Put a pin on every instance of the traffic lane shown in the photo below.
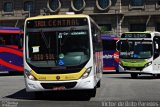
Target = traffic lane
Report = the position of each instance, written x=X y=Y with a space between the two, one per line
x=13 y=87
x=111 y=85
x=114 y=87
x=121 y=87
x=20 y=98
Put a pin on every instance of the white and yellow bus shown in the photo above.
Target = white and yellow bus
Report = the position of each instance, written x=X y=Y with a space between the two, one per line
x=139 y=53
x=62 y=52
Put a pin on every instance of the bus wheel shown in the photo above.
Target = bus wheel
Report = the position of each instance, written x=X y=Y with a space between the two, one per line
x=38 y=95
x=157 y=76
x=134 y=76
x=99 y=84
x=117 y=71
x=92 y=92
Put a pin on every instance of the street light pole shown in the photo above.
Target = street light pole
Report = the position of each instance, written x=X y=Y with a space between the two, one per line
x=29 y=11
x=116 y=13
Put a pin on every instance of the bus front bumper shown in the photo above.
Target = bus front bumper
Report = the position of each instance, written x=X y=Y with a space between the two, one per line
x=81 y=84
x=146 y=70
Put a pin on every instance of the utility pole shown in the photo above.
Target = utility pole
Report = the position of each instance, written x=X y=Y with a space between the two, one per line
x=116 y=13
x=29 y=11
x=120 y=19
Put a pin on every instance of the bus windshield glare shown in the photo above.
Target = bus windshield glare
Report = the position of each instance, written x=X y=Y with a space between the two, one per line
x=136 y=49
x=64 y=46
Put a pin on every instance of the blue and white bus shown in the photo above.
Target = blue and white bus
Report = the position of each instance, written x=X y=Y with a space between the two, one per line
x=110 y=53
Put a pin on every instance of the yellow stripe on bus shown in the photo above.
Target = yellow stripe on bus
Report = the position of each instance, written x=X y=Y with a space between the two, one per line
x=59 y=77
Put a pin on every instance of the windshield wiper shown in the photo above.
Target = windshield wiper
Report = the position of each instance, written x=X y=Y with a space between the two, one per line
x=47 y=42
x=45 y=39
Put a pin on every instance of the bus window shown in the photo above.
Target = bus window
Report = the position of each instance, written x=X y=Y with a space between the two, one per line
x=2 y=41
x=9 y=39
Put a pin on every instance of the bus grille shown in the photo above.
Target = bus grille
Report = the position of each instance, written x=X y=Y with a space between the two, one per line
x=51 y=85
x=136 y=68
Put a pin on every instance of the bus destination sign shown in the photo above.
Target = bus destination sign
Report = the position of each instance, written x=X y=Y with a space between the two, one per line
x=136 y=35
x=61 y=22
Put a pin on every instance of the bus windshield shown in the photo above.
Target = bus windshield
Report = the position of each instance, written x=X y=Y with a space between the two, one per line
x=136 y=49
x=67 y=46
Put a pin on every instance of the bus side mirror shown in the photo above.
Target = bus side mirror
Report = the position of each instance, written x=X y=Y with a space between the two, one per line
x=157 y=47
x=156 y=50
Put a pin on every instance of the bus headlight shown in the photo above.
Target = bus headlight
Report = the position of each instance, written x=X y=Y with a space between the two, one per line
x=147 y=64
x=29 y=75
x=86 y=73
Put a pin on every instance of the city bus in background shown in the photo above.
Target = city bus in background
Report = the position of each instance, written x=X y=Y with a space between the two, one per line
x=139 y=53
x=11 y=60
x=110 y=53
x=62 y=52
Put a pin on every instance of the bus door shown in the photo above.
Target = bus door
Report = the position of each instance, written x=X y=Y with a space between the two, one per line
x=156 y=56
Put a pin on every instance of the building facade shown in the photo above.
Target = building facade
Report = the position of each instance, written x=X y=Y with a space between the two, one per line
x=115 y=16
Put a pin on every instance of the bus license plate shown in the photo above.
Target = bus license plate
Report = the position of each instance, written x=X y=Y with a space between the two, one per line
x=59 y=88
x=133 y=69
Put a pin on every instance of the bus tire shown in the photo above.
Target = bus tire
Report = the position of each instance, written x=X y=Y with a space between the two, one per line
x=134 y=76
x=92 y=92
x=38 y=94
x=87 y=94
x=117 y=70
x=157 y=76
x=99 y=84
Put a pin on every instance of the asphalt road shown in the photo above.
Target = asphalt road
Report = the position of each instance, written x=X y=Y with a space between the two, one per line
x=116 y=90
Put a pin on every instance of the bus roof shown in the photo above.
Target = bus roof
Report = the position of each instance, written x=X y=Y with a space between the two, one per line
x=10 y=30
x=59 y=16
x=109 y=37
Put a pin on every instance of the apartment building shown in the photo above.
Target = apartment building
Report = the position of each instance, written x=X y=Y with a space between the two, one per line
x=115 y=16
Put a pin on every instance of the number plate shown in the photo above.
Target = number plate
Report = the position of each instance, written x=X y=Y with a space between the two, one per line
x=134 y=69
x=59 y=88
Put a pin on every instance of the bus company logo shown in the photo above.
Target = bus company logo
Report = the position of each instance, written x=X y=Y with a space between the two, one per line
x=108 y=56
x=114 y=56
x=58 y=77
